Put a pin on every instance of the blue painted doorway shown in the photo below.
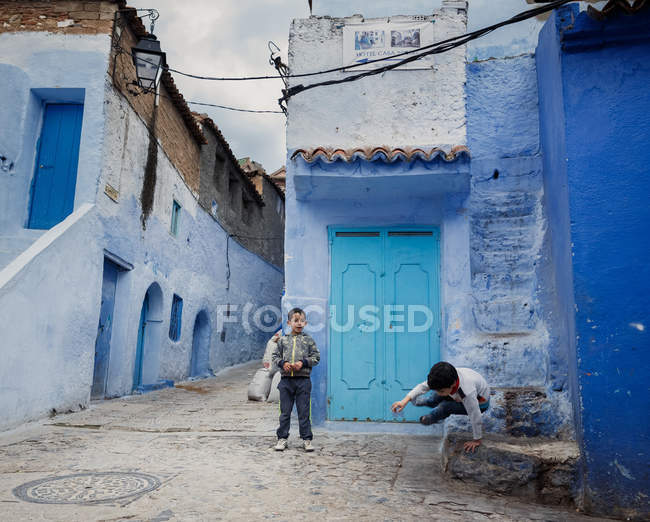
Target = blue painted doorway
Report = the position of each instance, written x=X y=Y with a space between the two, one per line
x=55 y=176
x=200 y=363
x=142 y=335
x=385 y=327
x=104 y=330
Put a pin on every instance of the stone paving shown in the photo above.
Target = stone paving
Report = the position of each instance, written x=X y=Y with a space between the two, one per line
x=202 y=451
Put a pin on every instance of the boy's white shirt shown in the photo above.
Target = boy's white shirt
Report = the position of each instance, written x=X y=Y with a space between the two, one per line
x=473 y=384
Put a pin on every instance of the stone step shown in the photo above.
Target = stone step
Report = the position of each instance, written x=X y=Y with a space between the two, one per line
x=537 y=469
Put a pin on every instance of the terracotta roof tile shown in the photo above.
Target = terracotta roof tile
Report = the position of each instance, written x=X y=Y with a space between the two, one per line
x=616 y=7
x=385 y=154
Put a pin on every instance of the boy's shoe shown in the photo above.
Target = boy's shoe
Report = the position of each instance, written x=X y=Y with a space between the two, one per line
x=281 y=445
x=427 y=420
x=307 y=445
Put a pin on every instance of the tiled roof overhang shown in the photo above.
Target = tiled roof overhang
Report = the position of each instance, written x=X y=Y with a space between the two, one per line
x=615 y=7
x=384 y=154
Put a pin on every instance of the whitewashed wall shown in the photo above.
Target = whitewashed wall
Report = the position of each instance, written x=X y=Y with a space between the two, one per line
x=396 y=108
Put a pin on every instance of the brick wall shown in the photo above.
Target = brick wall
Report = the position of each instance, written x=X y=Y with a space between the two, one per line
x=66 y=17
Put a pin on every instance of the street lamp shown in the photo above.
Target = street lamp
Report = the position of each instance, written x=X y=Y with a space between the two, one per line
x=149 y=62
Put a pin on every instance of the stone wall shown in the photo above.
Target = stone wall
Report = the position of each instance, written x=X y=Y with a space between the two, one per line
x=232 y=198
x=64 y=17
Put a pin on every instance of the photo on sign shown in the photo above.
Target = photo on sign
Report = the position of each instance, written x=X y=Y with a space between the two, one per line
x=406 y=38
x=369 y=40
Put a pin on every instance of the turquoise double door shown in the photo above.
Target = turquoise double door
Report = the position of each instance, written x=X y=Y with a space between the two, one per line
x=384 y=319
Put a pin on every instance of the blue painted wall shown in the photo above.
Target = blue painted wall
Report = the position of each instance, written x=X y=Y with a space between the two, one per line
x=307 y=247
x=50 y=297
x=516 y=337
x=594 y=78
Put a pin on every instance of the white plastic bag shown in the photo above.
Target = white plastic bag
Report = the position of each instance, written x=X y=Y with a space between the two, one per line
x=259 y=387
x=274 y=394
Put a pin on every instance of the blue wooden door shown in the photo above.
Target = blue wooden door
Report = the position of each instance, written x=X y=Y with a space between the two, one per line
x=139 y=352
x=104 y=329
x=356 y=365
x=413 y=336
x=384 y=337
x=55 y=175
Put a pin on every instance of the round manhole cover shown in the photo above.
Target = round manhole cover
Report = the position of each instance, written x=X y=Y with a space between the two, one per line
x=87 y=488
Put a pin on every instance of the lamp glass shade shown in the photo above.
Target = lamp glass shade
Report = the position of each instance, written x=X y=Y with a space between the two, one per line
x=148 y=60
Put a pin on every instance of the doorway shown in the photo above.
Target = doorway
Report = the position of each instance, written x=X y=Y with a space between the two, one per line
x=104 y=330
x=147 y=355
x=55 y=176
x=200 y=362
x=385 y=318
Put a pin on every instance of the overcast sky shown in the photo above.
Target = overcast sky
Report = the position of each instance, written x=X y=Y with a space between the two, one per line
x=230 y=37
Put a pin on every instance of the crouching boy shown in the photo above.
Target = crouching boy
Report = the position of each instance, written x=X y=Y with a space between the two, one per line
x=457 y=391
x=295 y=355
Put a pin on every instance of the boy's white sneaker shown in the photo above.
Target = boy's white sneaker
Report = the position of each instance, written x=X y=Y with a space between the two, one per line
x=307 y=445
x=281 y=445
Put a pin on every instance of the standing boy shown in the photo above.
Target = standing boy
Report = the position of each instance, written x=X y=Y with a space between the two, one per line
x=459 y=391
x=295 y=355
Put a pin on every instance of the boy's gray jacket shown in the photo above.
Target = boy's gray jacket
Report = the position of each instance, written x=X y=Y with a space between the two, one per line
x=293 y=348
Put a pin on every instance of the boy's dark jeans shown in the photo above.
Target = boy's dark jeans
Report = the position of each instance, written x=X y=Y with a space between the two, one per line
x=443 y=407
x=298 y=390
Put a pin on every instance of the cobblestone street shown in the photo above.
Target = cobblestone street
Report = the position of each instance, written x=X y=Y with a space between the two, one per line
x=201 y=451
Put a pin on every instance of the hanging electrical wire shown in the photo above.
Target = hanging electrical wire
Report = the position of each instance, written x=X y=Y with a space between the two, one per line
x=411 y=56
x=436 y=48
x=479 y=32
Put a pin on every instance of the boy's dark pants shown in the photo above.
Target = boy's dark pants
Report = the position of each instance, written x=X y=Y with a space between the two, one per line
x=296 y=389
x=443 y=407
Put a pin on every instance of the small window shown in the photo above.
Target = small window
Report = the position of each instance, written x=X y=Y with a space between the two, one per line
x=247 y=208
x=176 y=216
x=233 y=189
x=175 y=321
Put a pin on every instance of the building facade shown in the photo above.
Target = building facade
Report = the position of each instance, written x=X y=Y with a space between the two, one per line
x=593 y=70
x=486 y=200
x=114 y=276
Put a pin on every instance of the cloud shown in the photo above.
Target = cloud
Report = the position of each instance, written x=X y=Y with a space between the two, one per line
x=229 y=38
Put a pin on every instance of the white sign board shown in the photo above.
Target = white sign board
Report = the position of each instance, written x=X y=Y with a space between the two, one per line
x=369 y=41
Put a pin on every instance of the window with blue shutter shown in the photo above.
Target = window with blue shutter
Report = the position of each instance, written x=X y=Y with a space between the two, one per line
x=176 y=214
x=175 y=321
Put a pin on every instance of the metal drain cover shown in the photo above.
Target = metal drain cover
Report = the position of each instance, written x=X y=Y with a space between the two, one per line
x=87 y=488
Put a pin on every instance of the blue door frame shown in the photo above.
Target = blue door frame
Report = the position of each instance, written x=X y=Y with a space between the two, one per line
x=55 y=176
x=104 y=330
x=377 y=354
x=139 y=353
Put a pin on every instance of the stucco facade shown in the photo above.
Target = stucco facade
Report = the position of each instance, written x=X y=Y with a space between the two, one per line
x=489 y=209
x=594 y=130
x=53 y=282
x=540 y=245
